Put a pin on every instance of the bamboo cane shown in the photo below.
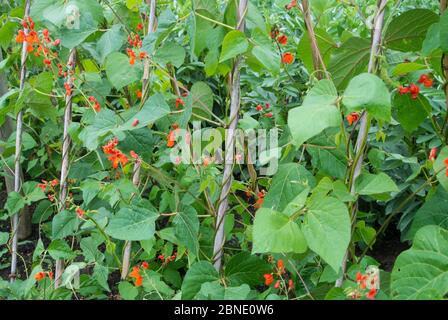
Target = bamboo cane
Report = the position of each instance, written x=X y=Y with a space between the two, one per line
x=230 y=146
x=17 y=167
x=137 y=165
x=65 y=155
x=364 y=127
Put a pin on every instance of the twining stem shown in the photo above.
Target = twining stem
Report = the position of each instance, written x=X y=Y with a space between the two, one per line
x=65 y=155
x=229 y=148
x=18 y=153
x=138 y=163
x=361 y=142
x=318 y=62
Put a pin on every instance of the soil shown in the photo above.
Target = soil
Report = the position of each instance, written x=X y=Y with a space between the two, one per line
x=388 y=248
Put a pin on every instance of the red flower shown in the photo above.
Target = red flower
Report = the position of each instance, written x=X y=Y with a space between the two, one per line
x=280 y=265
x=277 y=284
x=288 y=58
x=20 y=38
x=269 y=115
x=135 y=122
x=43 y=185
x=39 y=276
x=139 y=94
x=57 y=42
x=145 y=265
x=171 y=139
x=259 y=107
x=268 y=279
x=433 y=154
x=50 y=275
x=425 y=80
x=47 y=62
x=143 y=55
x=267 y=105
x=414 y=90
x=291 y=5
x=352 y=118
x=403 y=90
x=134 y=155
x=446 y=165
x=54 y=182
x=161 y=257
x=68 y=89
x=290 y=284
x=179 y=102
x=117 y=158
x=283 y=40
x=80 y=212
x=139 y=26
x=131 y=55
x=371 y=294
x=361 y=280
x=135 y=273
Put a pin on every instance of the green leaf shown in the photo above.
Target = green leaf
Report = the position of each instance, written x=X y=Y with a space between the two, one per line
x=127 y=291
x=290 y=180
x=199 y=273
x=370 y=184
x=439 y=166
x=110 y=41
x=327 y=229
x=132 y=223
x=444 y=32
x=14 y=203
x=214 y=291
x=64 y=224
x=234 y=43
x=403 y=69
x=432 y=40
x=408 y=31
x=421 y=273
x=411 y=113
x=325 y=43
x=317 y=113
x=4 y=236
x=59 y=249
x=368 y=92
x=245 y=268
x=186 y=228
x=349 y=60
x=119 y=75
x=202 y=96
x=433 y=212
x=170 y=52
x=101 y=274
x=275 y=232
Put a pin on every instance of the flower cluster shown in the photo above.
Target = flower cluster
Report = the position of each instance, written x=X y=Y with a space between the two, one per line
x=135 y=43
x=135 y=273
x=291 y=5
x=49 y=186
x=179 y=102
x=413 y=89
x=352 y=118
x=116 y=156
x=269 y=278
x=366 y=285
x=41 y=275
x=287 y=58
x=172 y=135
x=260 y=199
x=96 y=104
x=260 y=108
x=166 y=260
